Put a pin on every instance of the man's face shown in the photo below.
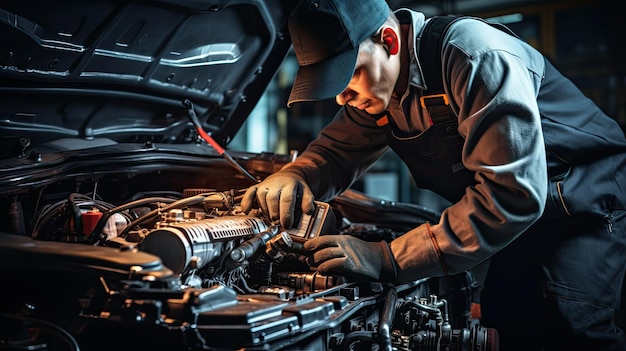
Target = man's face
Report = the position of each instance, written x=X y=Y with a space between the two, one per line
x=373 y=81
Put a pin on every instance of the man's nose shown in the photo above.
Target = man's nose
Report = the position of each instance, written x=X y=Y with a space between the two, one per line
x=345 y=96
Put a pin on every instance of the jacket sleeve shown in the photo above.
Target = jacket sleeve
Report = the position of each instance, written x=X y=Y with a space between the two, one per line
x=343 y=151
x=493 y=80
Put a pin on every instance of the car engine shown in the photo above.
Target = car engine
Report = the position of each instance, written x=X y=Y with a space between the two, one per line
x=192 y=272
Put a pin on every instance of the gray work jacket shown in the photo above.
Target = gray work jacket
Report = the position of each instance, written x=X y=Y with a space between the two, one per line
x=533 y=143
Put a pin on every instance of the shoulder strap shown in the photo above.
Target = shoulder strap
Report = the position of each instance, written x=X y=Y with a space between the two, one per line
x=430 y=51
x=435 y=100
x=431 y=42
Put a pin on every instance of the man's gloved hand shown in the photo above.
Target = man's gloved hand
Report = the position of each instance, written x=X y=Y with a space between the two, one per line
x=279 y=196
x=351 y=256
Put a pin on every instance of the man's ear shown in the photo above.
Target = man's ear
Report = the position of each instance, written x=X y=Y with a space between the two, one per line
x=389 y=37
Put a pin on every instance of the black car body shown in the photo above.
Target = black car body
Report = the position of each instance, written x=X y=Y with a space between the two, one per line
x=120 y=225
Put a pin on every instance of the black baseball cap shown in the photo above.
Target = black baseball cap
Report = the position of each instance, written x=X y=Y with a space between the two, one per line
x=326 y=35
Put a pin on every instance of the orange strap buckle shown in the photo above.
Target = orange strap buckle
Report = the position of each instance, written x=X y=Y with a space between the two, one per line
x=443 y=96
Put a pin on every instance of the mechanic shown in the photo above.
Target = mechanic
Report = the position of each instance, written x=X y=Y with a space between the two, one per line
x=535 y=171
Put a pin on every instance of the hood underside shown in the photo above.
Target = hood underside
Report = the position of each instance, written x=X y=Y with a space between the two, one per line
x=121 y=69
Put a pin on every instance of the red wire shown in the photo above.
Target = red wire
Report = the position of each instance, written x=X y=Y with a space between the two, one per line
x=211 y=141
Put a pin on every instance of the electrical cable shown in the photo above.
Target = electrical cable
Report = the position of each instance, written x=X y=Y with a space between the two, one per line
x=94 y=235
x=187 y=201
x=209 y=140
x=55 y=216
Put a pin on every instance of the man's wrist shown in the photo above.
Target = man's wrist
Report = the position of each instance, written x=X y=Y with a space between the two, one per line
x=388 y=272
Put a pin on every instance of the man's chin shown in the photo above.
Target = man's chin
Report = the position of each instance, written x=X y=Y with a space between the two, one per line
x=374 y=110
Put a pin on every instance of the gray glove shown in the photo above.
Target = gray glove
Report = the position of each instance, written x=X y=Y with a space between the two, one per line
x=280 y=196
x=351 y=256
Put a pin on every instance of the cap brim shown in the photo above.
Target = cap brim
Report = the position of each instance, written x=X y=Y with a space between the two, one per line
x=324 y=80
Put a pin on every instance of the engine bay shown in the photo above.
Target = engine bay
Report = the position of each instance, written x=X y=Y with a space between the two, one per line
x=188 y=270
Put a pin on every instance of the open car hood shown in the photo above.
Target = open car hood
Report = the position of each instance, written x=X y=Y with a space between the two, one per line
x=120 y=70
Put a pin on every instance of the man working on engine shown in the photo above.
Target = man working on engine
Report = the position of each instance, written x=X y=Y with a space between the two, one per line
x=534 y=170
